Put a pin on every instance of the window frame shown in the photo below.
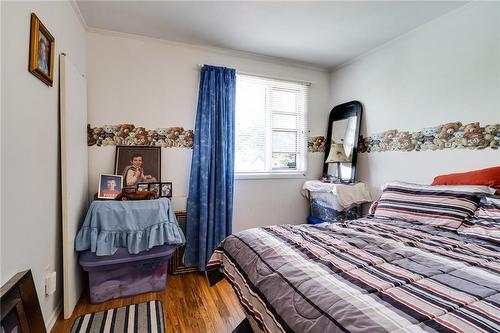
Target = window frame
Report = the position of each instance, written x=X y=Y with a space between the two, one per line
x=301 y=130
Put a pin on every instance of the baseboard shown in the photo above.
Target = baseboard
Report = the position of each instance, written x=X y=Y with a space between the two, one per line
x=53 y=317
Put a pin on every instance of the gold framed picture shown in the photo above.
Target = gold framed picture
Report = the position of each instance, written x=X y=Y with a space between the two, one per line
x=42 y=48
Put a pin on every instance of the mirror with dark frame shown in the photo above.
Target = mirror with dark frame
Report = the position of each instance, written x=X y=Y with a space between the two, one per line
x=341 y=145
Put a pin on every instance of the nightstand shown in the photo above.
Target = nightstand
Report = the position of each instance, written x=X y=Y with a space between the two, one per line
x=335 y=202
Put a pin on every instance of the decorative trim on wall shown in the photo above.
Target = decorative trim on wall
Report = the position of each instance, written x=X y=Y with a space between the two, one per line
x=316 y=144
x=130 y=135
x=169 y=137
x=447 y=136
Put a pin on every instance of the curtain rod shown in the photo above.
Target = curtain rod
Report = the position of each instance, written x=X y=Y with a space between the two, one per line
x=307 y=83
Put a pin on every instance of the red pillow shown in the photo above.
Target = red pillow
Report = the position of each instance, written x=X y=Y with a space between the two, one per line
x=489 y=177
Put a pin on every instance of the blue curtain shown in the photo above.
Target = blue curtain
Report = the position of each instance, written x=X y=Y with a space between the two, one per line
x=210 y=199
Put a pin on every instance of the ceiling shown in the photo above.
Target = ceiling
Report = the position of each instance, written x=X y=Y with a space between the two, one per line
x=321 y=34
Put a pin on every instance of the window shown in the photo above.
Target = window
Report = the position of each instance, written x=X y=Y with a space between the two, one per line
x=270 y=126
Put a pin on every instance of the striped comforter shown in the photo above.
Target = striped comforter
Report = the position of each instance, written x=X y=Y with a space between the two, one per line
x=369 y=276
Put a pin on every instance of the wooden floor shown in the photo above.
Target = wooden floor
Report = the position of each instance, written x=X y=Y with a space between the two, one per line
x=189 y=305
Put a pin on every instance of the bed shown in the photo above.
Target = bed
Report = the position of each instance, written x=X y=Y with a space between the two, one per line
x=367 y=275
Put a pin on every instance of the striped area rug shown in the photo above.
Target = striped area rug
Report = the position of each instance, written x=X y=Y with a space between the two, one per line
x=144 y=317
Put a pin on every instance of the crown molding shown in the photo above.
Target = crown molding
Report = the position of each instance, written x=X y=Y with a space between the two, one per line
x=79 y=14
x=229 y=52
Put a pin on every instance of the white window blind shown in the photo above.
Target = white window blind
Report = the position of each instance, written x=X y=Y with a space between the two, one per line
x=271 y=126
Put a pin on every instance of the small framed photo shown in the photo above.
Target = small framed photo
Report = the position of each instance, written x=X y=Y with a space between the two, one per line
x=142 y=187
x=166 y=190
x=109 y=186
x=138 y=164
x=42 y=48
x=155 y=187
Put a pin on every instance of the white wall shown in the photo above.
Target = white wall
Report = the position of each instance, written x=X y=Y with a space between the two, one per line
x=153 y=83
x=30 y=193
x=447 y=70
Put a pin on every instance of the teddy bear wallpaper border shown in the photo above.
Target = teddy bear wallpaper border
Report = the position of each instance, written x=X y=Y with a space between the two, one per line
x=131 y=135
x=452 y=135
x=168 y=137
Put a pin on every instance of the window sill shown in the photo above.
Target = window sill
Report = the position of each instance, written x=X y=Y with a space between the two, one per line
x=283 y=175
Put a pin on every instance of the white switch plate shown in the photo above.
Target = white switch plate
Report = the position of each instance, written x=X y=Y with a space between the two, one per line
x=50 y=283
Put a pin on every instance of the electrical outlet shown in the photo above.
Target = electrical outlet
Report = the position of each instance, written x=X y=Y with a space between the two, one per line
x=50 y=283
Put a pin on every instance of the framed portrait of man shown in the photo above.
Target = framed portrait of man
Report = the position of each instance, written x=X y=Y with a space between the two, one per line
x=138 y=164
x=42 y=48
x=109 y=186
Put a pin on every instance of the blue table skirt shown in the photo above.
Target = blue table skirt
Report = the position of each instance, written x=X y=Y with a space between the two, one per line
x=135 y=225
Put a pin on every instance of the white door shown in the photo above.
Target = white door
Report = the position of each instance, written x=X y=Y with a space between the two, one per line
x=74 y=175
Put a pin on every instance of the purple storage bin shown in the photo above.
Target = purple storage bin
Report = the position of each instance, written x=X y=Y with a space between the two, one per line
x=124 y=274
